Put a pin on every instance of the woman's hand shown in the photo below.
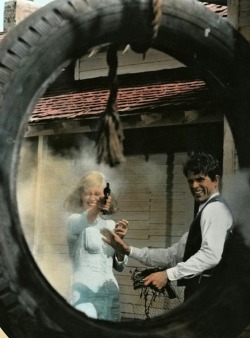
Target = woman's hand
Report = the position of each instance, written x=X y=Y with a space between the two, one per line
x=114 y=240
x=121 y=228
x=103 y=204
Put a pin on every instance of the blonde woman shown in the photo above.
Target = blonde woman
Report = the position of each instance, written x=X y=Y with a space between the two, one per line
x=95 y=289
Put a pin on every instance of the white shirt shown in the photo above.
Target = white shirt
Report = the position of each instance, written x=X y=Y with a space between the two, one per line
x=215 y=221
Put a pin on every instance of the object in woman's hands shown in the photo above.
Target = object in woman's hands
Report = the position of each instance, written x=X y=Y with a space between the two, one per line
x=106 y=192
x=139 y=274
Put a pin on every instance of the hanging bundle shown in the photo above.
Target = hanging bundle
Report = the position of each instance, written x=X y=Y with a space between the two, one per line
x=110 y=134
x=150 y=293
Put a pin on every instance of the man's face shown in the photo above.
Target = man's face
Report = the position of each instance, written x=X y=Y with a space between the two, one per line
x=201 y=186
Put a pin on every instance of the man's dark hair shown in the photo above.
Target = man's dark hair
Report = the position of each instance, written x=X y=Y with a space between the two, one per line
x=202 y=163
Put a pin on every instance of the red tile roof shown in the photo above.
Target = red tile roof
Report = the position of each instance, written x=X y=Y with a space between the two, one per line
x=82 y=99
x=90 y=103
x=218 y=9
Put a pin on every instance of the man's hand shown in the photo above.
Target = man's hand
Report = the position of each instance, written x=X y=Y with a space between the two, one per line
x=158 y=279
x=121 y=228
x=115 y=241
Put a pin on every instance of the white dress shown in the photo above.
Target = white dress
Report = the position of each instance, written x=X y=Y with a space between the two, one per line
x=95 y=289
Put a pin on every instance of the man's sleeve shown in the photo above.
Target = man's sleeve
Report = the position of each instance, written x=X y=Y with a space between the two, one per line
x=160 y=257
x=215 y=222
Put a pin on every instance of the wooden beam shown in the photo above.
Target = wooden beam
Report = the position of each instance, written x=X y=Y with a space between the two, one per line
x=42 y=142
x=141 y=119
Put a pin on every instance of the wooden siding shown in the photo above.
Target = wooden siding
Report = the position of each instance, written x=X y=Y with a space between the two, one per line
x=152 y=194
x=129 y=62
x=239 y=16
x=158 y=216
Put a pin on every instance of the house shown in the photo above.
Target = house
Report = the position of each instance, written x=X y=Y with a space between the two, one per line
x=165 y=112
x=165 y=109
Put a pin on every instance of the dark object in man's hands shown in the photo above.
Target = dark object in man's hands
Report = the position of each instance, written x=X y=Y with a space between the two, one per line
x=138 y=275
x=106 y=192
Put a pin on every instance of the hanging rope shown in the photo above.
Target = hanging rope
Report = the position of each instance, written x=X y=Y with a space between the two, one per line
x=110 y=135
x=157 y=12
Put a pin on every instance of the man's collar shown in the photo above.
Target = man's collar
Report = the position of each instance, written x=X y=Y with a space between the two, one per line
x=204 y=203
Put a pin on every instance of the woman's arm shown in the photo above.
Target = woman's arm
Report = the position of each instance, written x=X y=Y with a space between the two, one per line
x=103 y=204
x=118 y=264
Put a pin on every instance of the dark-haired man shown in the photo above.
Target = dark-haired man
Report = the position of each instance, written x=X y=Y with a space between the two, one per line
x=193 y=259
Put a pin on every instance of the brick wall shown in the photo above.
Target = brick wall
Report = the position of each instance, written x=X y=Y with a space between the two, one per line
x=17 y=10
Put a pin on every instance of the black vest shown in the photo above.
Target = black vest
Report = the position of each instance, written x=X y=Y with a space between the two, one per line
x=194 y=239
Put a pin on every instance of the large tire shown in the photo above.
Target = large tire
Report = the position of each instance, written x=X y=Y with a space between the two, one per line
x=31 y=56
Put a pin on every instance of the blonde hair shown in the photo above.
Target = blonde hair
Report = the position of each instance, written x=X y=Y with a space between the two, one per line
x=91 y=179
x=73 y=202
